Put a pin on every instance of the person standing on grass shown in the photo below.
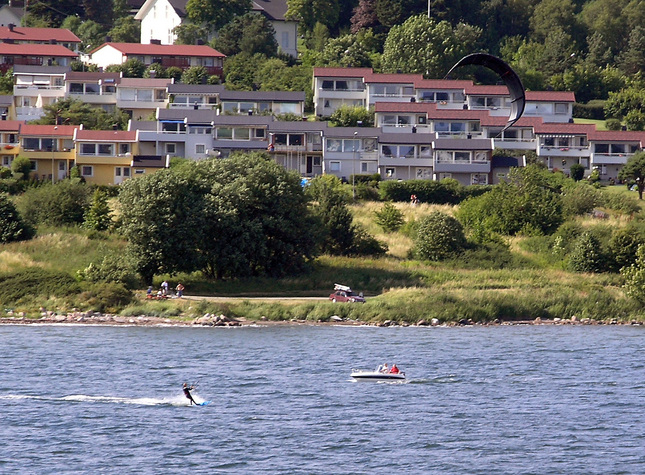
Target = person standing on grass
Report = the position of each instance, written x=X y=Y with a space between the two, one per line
x=180 y=290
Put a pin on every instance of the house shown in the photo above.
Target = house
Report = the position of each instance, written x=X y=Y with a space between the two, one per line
x=50 y=148
x=9 y=141
x=262 y=102
x=466 y=160
x=12 y=13
x=350 y=151
x=105 y=157
x=13 y=34
x=335 y=87
x=36 y=87
x=405 y=156
x=194 y=96
x=181 y=56
x=7 y=109
x=298 y=145
x=95 y=88
x=560 y=145
x=159 y=18
x=610 y=150
x=34 y=55
x=286 y=31
x=140 y=97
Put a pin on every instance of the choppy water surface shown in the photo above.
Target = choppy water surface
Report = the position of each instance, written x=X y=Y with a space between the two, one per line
x=516 y=400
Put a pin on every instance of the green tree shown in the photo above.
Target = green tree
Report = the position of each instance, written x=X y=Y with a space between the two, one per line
x=195 y=75
x=577 y=171
x=587 y=256
x=125 y=30
x=439 y=237
x=635 y=120
x=249 y=33
x=216 y=13
x=190 y=34
x=309 y=12
x=240 y=71
x=98 y=216
x=346 y=51
x=389 y=218
x=6 y=82
x=634 y=276
x=71 y=111
x=623 y=246
x=350 y=116
x=21 y=167
x=634 y=170
x=424 y=46
x=12 y=226
x=91 y=34
x=59 y=204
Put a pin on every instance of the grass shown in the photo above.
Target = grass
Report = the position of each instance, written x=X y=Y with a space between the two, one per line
x=481 y=285
x=600 y=124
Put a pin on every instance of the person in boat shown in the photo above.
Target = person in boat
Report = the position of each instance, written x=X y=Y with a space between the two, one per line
x=187 y=390
x=383 y=369
x=394 y=369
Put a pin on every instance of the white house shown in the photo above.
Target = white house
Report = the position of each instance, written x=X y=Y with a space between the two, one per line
x=158 y=19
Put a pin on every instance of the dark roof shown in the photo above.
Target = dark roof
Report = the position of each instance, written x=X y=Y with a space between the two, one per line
x=241 y=144
x=24 y=69
x=6 y=99
x=282 y=96
x=180 y=88
x=272 y=9
x=201 y=116
x=297 y=126
x=403 y=138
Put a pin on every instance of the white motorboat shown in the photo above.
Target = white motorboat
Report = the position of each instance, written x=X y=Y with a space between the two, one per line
x=362 y=375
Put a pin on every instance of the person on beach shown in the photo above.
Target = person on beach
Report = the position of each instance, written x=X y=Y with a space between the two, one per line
x=164 y=287
x=187 y=390
x=180 y=290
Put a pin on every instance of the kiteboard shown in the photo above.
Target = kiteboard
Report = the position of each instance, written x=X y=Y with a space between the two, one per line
x=205 y=403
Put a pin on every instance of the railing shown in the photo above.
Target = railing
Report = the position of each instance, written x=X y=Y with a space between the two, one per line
x=38 y=86
x=347 y=89
x=460 y=135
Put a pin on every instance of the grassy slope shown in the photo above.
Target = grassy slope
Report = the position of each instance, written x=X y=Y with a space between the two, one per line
x=525 y=286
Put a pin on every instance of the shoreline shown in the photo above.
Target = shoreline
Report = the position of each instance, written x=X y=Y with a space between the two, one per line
x=99 y=319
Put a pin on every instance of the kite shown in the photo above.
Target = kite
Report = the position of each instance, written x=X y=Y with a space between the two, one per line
x=510 y=78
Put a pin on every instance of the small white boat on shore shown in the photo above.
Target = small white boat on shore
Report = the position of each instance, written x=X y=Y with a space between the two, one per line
x=376 y=375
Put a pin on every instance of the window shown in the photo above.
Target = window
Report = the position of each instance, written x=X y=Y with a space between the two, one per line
x=369 y=145
x=386 y=150
x=390 y=172
x=88 y=149
x=334 y=145
x=126 y=172
x=334 y=166
x=351 y=145
x=225 y=133
x=106 y=149
x=200 y=148
x=561 y=108
x=444 y=175
x=479 y=179
x=34 y=165
x=406 y=151
x=139 y=171
x=462 y=156
x=618 y=148
x=364 y=167
x=285 y=40
x=92 y=89
x=241 y=134
x=171 y=148
x=87 y=170
x=6 y=161
x=424 y=173
x=549 y=141
x=76 y=88
x=31 y=144
x=124 y=148
x=601 y=148
x=259 y=133
x=425 y=151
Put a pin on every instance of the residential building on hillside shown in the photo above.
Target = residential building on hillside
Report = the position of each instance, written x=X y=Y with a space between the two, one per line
x=194 y=96
x=286 y=31
x=140 y=97
x=181 y=56
x=9 y=141
x=50 y=148
x=95 y=88
x=13 y=34
x=262 y=102
x=610 y=150
x=105 y=156
x=36 y=87
x=40 y=55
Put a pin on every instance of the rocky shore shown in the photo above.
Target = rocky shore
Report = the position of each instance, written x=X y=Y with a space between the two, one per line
x=212 y=320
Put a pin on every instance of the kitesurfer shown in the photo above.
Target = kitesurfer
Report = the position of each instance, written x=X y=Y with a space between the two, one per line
x=187 y=390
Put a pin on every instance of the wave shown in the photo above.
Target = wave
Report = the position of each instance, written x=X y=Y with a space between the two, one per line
x=145 y=401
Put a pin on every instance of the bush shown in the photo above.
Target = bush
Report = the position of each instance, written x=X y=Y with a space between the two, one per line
x=106 y=297
x=36 y=283
x=112 y=269
x=592 y=110
x=634 y=276
x=21 y=167
x=60 y=204
x=364 y=244
x=587 y=255
x=577 y=172
x=439 y=237
x=579 y=199
x=446 y=191
x=389 y=218
x=622 y=203
x=613 y=124
x=12 y=226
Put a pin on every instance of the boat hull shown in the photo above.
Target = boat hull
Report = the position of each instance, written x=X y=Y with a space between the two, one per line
x=373 y=376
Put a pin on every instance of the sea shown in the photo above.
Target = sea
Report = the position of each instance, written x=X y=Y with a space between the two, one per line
x=80 y=399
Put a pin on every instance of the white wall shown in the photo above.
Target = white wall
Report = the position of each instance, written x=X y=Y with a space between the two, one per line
x=159 y=22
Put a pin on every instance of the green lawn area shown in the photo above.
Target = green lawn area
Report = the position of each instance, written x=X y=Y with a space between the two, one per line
x=600 y=124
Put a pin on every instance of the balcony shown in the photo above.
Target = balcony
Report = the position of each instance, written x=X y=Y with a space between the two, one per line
x=563 y=151
x=610 y=158
x=462 y=166
x=412 y=161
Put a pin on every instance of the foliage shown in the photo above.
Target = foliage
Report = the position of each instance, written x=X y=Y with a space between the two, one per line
x=619 y=104
x=579 y=199
x=125 y=30
x=190 y=34
x=389 y=218
x=216 y=13
x=55 y=204
x=634 y=170
x=613 y=124
x=12 y=226
x=346 y=51
x=635 y=120
x=623 y=246
x=594 y=109
x=439 y=237
x=249 y=33
x=97 y=216
x=586 y=255
x=577 y=171
x=424 y=46
x=309 y=12
x=351 y=116
x=6 y=82
x=446 y=191
x=634 y=276
x=106 y=297
x=35 y=282
x=195 y=75
x=112 y=269
x=21 y=167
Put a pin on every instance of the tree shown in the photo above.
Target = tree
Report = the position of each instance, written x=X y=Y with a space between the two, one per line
x=195 y=75
x=21 y=167
x=577 y=171
x=59 y=204
x=350 y=116
x=634 y=276
x=364 y=16
x=216 y=13
x=12 y=226
x=6 y=82
x=634 y=170
x=586 y=255
x=424 y=46
x=308 y=12
x=632 y=59
x=97 y=216
x=249 y=33
x=240 y=71
x=345 y=51
x=125 y=30
x=190 y=34
x=71 y=111
x=439 y=237
x=389 y=218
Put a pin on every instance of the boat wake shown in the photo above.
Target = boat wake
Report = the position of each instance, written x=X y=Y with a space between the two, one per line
x=179 y=400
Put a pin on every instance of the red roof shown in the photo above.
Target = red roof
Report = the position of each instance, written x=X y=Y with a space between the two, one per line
x=11 y=125
x=163 y=50
x=106 y=135
x=617 y=136
x=393 y=78
x=550 y=96
x=20 y=33
x=501 y=120
x=35 y=50
x=481 y=90
x=565 y=128
x=48 y=130
x=342 y=72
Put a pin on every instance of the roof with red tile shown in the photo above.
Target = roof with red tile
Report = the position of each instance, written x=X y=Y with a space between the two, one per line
x=617 y=136
x=48 y=130
x=550 y=96
x=11 y=125
x=565 y=128
x=163 y=50
x=442 y=84
x=106 y=135
x=500 y=121
x=36 y=50
x=393 y=78
x=20 y=33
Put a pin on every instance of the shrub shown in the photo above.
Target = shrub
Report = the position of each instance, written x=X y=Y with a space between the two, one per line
x=592 y=110
x=12 y=226
x=364 y=244
x=439 y=237
x=613 y=124
x=36 y=283
x=622 y=203
x=446 y=191
x=112 y=269
x=577 y=172
x=106 y=297
x=579 y=199
x=389 y=218
x=623 y=246
x=62 y=203
x=21 y=167
x=634 y=276
x=586 y=255
x=97 y=217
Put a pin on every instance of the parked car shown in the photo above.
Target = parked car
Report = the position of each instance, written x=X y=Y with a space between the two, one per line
x=343 y=293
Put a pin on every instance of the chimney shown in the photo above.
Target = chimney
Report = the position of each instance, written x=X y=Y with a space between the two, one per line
x=155 y=42
x=53 y=42
x=199 y=41
x=11 y=26
x=108 y=39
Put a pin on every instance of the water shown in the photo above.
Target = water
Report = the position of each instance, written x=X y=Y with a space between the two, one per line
x=502 y=400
